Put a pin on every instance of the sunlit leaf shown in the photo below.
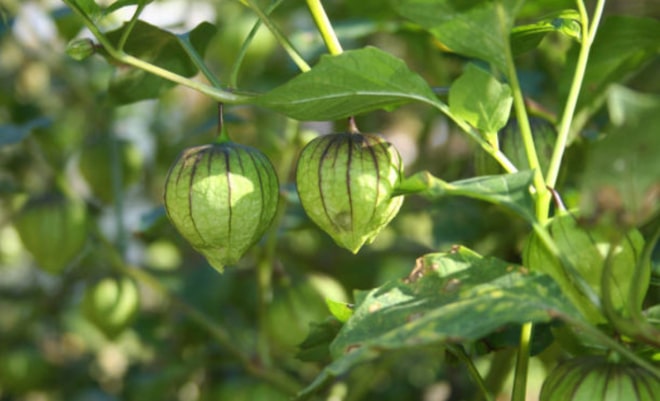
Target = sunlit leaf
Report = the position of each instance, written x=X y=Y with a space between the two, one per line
x=480 y=99
x=354 y=82
x=475 y=28
x=527 y=37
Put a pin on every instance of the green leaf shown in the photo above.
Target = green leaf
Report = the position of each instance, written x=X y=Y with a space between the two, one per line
x=353 y=82
x=508 y=190
x=480 y=99
x=475 y=28
x=622 y=45
x=88 y=7
x=448 y=298
x=527 y=37
x=340 y=310
x=316 y=346
x=123 y=3
x=621 y=179
x=158 y=47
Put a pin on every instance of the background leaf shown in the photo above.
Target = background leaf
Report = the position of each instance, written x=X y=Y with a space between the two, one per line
x=158 y=47
x=351 y=83
x=480 y=99
x=623 y=44
x=621 y=177
x=475 y=28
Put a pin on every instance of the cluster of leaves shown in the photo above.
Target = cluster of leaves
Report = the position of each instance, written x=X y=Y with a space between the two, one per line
x=453 y=302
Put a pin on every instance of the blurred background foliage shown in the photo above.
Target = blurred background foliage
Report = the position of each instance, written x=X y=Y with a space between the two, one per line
x=79 y=331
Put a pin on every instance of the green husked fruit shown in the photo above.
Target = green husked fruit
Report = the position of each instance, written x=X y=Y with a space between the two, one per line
x=53 y=229
x=111 y=305
x=96 y=166
x=222 y=197
x=594 y=378
x=345 y=183
x=587 y=250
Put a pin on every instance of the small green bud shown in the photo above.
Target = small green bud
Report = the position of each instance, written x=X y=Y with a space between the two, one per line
x=80 y=49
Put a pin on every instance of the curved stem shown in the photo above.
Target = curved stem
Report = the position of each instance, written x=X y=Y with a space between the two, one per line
x=325 y=27
x=283 y=40
x=199 y=61
x=460 y=353
x=131 y=25
x=474 y=135
x=233 y=75
x=589 y=34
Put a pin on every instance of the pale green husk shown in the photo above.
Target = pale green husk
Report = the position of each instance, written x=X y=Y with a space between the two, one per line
x=345 y=183
x=221 y=197
x=54 y=229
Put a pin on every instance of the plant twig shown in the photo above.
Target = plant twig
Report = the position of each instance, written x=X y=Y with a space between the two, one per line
x=283 y=40
x=522 y=363
x=325 y=27
x=124 y=58
x=460 y=353
x=588 y=36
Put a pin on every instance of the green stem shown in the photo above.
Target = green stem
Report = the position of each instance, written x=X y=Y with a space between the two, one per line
x=523 y=122
x=522 y=363
x=500 y=367
x=325 y=27
x=233 y=75
x=130 y=26
x=589 y=34
x=122 y=57
x=217 y=332
x=474 y=135
x=459 y=352
x=199 y=61
x=283 y=40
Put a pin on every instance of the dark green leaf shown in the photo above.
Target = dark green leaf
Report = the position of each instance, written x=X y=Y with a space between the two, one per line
x=475 y=28
x=316 y=346
x=158 y=47
x=527 y=37
x=200 y=36
x=621 y=177
x=448 y=298
x=354 y=82
x=480 y=99
x=508 y=190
